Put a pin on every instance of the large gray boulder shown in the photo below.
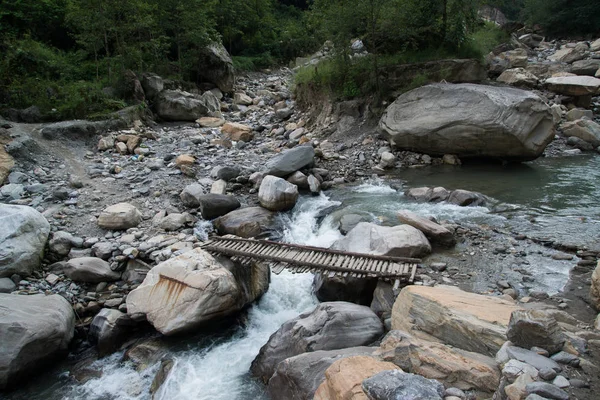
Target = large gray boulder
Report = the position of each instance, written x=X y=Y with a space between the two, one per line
x=177 y=105
x=187 y=291
x=574 y=85
x=90 y=270
x=277 y=194
x=330 y=326
x=215 y=66
x=34 y=330
x=470 y=121
x=246 y=222
x=398 y=241
x=398 y=385
x=23 y=235
x=290 y=161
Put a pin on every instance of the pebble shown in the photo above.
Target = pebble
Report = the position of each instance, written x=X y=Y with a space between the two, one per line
x=455 y=392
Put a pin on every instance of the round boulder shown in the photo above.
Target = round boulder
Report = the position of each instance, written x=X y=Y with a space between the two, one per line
x=277 y=194
x=120 y=216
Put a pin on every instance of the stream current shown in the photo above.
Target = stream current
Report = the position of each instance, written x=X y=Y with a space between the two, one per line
x=556 y=198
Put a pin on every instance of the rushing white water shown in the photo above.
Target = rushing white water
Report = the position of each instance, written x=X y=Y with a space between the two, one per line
x=221 y=372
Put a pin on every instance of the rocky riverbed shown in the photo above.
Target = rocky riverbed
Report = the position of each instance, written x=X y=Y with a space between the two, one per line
x=101 y=235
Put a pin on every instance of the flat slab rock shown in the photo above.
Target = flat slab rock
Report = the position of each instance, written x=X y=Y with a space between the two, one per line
x=466 y=320
x=574 y=85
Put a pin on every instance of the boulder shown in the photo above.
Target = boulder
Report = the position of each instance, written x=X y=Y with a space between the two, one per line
x=215 y=66
x=290 y=161
x=383 y=299
x=90 y=270
x=518 y=77
x=194 y=288
x=454 y=367
x=23 y=235
x=584 y=129
x=7 y=285
x=109 y=329
x=237 y=132
x=579 y=113
x=246 y=222
x=152 y=85
x=434 y=232
x=82 y=129
x=586 y=67
x=349 y=221
x=397 y=241
x=343 y=379
x=177 y=105
x=595 y=287
x=547 y=391
x=569 y=54
x=190 y=195
x=35 y=330
x=595 y=45
x=574 y=85
x=497 y=64
x=465 y=320
x=120 y=216
x=532 y=358
x=215 y=205
x=62 y=242
x=529 y=328
x=299 y=377
x=242 y=98
x=277 y=194
x=6 y=164
x=397 y=385
x=329 y=326
x=465 y=198
x=470 y=120
x=340 y=288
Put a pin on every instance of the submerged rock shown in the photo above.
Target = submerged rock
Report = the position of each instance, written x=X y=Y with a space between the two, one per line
x=470 y=121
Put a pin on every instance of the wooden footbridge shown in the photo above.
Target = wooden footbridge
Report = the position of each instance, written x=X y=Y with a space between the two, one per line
x=301 y=259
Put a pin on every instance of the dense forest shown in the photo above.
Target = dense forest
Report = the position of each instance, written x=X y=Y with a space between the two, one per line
x=62 y=55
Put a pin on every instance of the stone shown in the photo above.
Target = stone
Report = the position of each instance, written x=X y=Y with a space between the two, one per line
x=579 y=113
x=516 y=58
x=210 y=122
x=23 y=237
x=585 y=67
x=172 y=222
x=574 y=85
x=340 y=288
x=242 y=98
x=6 y=164
x=436 y=233
x=35 y=330
x=570 y=54
x=7 y=285
x=215 y=205
x=397 y=385
x=152 y=85
x=388 y=160
x=227 y=173
x=82 y=129
x=62 y=242
x=465 y=198
x=547 y=374
x=90 y=270
x=120 y=216
x=329 y=326
x=290 y=161
x=547 y=390
x=445 y=118
x=314 y=185
x=215 y=66
x=584 y=129
x=466 y=320
x=562 y=357
x=451 y=366
x=528 y=328
x=595 y=45
x=191 y=194
x=349 y=221
x=517 y=390
x=166 y=365
x=177 y=105
x=534 y=359
x=595 y=287
x=561 y=382
x=146 y=353
x=185 y=160
x=343 y=379
x=397 y=241
x=298 y=179
x=190 y=290
x=237 y=132
x=246 y=222
x=106 y=143
x=277 y=194
x=299 y=377
x=518 y=77
x=109 y=329
x=219 y=187
x=515 y=368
